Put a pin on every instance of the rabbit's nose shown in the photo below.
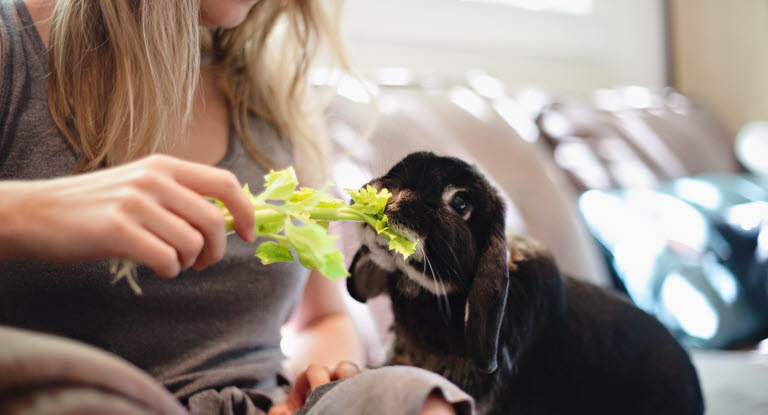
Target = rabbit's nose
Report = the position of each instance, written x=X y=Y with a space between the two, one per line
x=399 y=200
x=394 y=201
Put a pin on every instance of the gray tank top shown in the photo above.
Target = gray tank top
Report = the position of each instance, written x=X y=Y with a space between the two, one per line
x=217 y=327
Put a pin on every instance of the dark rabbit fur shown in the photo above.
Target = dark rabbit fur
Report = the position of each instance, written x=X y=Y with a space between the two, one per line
x=496 y=317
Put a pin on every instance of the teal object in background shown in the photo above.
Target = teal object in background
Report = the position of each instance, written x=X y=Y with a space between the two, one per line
x=693 y=252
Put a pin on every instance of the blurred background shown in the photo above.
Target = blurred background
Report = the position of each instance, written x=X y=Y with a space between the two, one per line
x=630 y=136
x=712 y=50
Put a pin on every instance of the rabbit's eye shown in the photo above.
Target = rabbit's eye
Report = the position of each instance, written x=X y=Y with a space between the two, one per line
x=459 y=203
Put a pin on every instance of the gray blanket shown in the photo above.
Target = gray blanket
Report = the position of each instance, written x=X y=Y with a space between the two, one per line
x=42 y=374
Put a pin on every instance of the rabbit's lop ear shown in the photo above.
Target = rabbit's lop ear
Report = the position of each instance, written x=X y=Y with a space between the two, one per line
x=367 y=279
x=485 y=304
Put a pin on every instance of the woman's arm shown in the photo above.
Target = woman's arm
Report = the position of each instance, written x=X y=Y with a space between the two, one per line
x=325 y=333
x=151 y=210
x=326 y=345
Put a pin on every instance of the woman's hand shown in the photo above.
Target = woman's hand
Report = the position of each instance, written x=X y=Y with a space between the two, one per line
x=151 y=211
x=308 y=380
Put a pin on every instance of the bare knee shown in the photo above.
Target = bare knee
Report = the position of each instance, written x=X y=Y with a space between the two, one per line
x=437 y=405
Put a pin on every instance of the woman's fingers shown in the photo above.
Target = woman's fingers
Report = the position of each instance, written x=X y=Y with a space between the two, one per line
x=345 y=370
x=218 y=183
x=308 y=380
x=305 y=383
x=137 y=243
x=204 y=216
x=179 y=186
x=298 y=394
x=186 y=240
x=317 y=375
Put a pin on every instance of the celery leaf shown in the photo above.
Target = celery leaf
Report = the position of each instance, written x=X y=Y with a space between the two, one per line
x=270 y=252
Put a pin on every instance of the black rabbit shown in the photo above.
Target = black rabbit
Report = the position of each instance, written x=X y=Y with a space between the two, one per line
x=493 y=314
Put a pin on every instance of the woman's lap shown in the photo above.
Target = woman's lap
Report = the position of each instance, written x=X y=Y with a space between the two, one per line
x=387 y=390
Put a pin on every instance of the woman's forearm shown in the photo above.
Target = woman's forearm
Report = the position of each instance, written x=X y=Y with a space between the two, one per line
x=12 y=197
x=327 y=341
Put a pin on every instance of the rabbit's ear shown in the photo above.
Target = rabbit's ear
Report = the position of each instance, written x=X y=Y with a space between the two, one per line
x=485 y=304
x=367 y=279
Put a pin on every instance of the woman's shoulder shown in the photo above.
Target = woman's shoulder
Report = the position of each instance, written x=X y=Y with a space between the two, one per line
x=2 y=37
x=25 y=118
x=22 y=32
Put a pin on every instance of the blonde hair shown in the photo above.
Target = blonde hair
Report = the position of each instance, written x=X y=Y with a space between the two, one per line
x=129 y=69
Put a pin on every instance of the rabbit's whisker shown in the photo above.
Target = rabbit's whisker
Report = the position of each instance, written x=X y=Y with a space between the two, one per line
x=443 y=304
x=450 y=259
x=446 y=303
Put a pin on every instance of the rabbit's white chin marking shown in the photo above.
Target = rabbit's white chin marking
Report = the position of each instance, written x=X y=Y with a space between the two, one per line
x=390 y=261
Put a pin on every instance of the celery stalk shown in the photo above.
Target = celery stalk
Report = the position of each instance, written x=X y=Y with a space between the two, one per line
x=298 y=224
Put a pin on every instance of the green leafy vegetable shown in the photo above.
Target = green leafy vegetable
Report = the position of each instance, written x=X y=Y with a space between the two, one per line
x=271 y=252
x=397 y=242
x=301 y=222
x=296 y=221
